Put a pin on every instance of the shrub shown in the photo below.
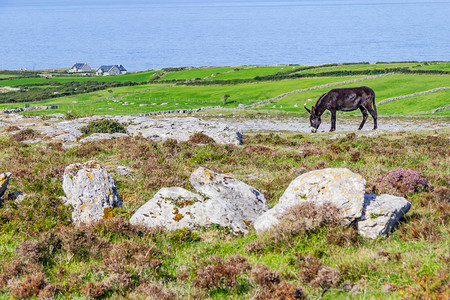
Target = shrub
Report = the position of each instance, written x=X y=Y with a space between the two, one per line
x=201 y=138
x=155 y=291
x=82 y=243
x=95 y=290
x=402 y=181
x=302 y=219
x=30 y=285
x=221 y=274
x=103 y=126
x=25 y=134
x=263 y=276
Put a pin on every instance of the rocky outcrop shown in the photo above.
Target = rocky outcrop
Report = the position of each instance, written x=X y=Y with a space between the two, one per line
x=102 y=136
x=221 y=200
x=247 y=202
x=381 y=214
x=339 y=186
x=181 y=129
x=4 y=180
x=374 y=215
x=172 y=208
x=90 y=190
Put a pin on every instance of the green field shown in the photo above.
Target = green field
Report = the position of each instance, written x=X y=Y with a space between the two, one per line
x=135 y=77
x=176 y=97
x=252 y=72
x=195 y=73
x=378 y=66
x=157 y=96
x=384 y=87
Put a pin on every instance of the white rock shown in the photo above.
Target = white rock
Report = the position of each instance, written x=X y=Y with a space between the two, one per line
x=233 y=202
x=172 y=208
x=336 y=185
x=381 y=214
x=229 y=203
x=182 y=128
x=90 y=190
x=102 y=136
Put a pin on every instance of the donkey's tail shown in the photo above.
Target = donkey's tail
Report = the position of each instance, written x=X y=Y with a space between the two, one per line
x=373 y=103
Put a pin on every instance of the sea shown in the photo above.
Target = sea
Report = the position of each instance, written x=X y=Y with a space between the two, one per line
x=142 y=35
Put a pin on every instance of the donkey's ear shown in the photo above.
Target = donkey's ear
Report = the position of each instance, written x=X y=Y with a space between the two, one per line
x=307 y=110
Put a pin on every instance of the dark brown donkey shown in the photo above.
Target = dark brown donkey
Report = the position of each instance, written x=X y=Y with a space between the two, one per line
x=346 y=99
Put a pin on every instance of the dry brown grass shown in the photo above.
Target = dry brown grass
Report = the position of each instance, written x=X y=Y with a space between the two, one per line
x=220 y=273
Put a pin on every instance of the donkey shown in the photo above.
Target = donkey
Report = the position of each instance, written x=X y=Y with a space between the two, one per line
x=345 y=99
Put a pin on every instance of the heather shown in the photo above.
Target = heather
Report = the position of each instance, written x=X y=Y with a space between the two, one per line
x=43 y=254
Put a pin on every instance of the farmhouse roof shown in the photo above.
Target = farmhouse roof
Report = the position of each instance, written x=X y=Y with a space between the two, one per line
x=105 y=68
x=122 y=68
x=78 y=65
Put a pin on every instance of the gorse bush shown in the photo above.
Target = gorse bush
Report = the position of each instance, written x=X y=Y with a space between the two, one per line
x=103 y=126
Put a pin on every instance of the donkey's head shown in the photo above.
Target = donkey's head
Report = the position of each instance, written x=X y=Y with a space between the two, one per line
x=314 y=119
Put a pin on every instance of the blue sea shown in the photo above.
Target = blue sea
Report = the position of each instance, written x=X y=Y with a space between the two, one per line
x=143 y=35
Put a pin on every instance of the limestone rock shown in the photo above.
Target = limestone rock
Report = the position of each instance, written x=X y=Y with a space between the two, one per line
x=172 y=208
x=90 y=190
x=381 y=214
x=221 y=200
x=102 y=136
x=339 y=186
x=182 y=128
x=4 y=180
x=236 y=202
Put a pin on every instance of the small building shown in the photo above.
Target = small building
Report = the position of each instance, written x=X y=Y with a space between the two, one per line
x=122 y=69
x=80 y=67
x=105 y=70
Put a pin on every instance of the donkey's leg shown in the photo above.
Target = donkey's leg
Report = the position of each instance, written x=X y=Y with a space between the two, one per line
x=365 y=115
x=374 y=115
x=333 y=120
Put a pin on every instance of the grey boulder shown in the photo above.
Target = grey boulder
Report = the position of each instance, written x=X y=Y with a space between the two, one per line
x=221 y=200
x=232 y=197
x=182 y=128
x=381 y=214
x=339 y=186
x=90 y=190
x=172 y=208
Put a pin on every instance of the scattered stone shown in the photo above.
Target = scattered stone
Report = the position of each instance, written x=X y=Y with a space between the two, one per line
x=221 y=200
x=65 y=138
x=236 y=202
x=172 y=208
x=4 y=180
x=122 y=170
x=381 y=214
x=33 y=141
x=102 y=136
x=91 y=192
x=339 y=186
x=17 y=196
x=182 y=128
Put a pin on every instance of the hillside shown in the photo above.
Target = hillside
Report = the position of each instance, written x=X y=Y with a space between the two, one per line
x=315 y=251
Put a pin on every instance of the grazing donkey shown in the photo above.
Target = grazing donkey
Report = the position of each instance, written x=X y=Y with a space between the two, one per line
x=346 y=99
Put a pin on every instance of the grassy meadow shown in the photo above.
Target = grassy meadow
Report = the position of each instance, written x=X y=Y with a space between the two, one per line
x=44 y=255
x=170 y=89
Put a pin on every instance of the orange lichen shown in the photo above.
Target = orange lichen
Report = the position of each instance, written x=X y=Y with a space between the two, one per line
x=178 y=217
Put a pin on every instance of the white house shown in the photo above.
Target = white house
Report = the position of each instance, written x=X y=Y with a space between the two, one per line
x=80 y=67
x=105 y=70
